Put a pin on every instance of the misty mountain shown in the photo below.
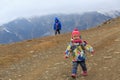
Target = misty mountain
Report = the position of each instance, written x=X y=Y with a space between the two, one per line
x=112 y=14
x=24 y=29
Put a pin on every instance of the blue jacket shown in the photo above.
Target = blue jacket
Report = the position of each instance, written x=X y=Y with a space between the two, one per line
x=57 y=24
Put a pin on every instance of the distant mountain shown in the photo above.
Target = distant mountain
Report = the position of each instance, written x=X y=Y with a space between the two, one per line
x=112 y=14
x=23 y=29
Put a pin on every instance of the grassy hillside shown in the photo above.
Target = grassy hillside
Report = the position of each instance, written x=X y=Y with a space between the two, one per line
x=43 y=58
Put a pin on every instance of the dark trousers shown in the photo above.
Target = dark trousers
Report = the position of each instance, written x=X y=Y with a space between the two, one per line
x=57 y=31
x=75 y=66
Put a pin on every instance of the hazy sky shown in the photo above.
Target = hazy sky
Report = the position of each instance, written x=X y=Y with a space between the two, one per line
x=12 y=9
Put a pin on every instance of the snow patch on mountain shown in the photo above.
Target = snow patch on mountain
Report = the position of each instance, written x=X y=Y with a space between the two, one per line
x=4 y=29
x=29 y=20
x=112 y=14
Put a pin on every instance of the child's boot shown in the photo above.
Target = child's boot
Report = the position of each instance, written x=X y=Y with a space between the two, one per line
x=84 y=73
x=73 y=75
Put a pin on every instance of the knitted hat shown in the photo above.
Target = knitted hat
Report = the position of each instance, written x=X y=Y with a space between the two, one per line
x=75 y=32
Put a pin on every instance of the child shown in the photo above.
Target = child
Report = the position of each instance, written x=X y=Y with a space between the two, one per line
x=76 y=49
x=57 y=26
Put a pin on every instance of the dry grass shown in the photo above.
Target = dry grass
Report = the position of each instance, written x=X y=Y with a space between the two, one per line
x=42 y=58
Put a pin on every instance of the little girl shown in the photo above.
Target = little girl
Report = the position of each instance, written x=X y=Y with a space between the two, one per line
x=76 y=49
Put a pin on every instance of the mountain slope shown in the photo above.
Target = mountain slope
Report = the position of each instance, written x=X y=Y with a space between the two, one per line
x=42 y=59
x=24 y=29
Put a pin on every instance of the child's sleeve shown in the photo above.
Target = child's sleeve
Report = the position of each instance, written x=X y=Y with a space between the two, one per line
x=67 y=51
x=89 y=48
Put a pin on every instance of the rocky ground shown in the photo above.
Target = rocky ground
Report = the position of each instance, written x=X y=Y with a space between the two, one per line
x=43 y=58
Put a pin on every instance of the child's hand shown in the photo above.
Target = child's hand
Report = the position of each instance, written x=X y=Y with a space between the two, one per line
x=65 y=56
x=92 y=53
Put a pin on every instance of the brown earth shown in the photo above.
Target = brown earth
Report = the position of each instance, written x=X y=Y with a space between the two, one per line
x=43 y=58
